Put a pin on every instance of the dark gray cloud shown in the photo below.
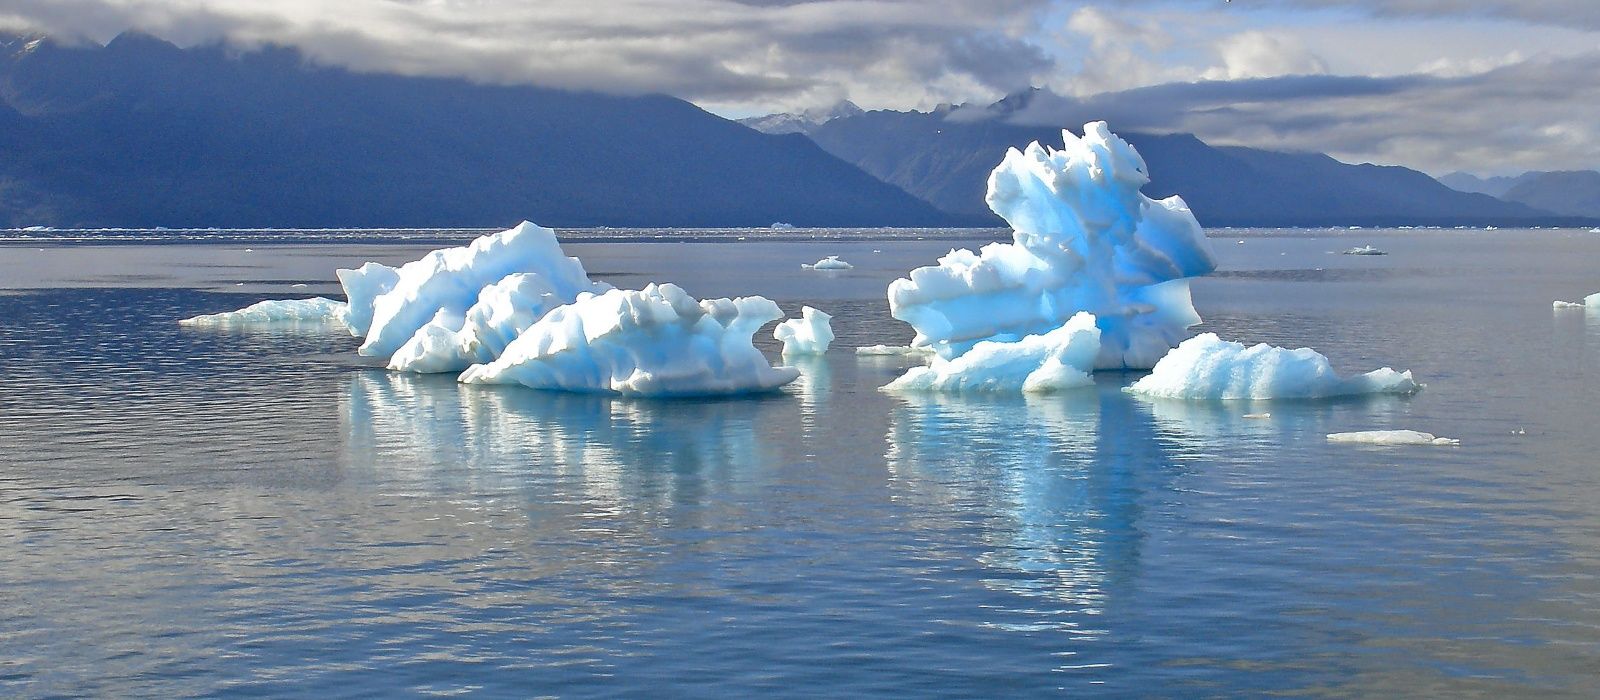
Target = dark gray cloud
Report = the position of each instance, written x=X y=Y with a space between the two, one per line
x=1562 y=13
x=1530 y=115
x=713 y=51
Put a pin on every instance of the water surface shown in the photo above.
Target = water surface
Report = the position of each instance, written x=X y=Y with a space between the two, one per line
x=188 y=512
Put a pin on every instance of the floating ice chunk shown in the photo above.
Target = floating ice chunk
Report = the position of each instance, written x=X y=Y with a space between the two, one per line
x=1084 y=239
x=1365 y=250
x=653 y=342
x=832 y=262
x=276 y=311
x=449 y=280
x=1060 y=359
x=1207 y=367
x=1257 y=416
x=781 y=226
x=1391 y=437
x=503 y=310
x=1592 y=301
x=893 y=351
x=1567 y=304
x=362 y=286
x=808 y=335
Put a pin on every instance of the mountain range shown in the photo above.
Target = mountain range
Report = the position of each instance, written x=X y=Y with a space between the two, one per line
x=944 y=156
x=1568 y=192
x=141 y=133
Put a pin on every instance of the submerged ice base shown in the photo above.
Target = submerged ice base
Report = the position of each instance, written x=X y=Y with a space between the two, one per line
x=1391 y=438
x=1206 y=367
x=1084 y=240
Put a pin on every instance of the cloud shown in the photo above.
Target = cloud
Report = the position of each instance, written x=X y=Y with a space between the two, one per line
x=710 y=51
x=1534 y=114
x=1561 y=13
x=1257 y=54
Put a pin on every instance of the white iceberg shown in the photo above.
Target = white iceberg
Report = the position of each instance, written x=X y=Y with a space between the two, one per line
x=1592 y=301
x=653 y=342
x=1206 y=367
x=893 y=351
x=276 y=311
x=444 y=284
x=362 y=286
x=832 y=262
x=808 y=335
x=1060 y=359
x=503 y=310
x=1085 y=240
x=1391 y=437
x=1559 y=304
x=1364 y=250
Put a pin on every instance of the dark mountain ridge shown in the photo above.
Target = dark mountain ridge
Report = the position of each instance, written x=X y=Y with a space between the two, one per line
x=945 y=156
x=141 y=133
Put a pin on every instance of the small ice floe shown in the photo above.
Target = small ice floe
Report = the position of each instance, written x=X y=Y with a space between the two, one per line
x=832 y=262
x=1519 y=431
x=1206 y=367
x=1559 y=304
x=249 y=250
x=275 y=311
x=1365 y=250
x=298 y=285
x=781 y=226
x=1257 y=416
x=808 y=335
x=1241 y=242
x=1595 y=230
x=894 y=351
x=1391 y=437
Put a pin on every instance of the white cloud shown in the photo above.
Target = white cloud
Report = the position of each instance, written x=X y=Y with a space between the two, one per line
x=1257 y=54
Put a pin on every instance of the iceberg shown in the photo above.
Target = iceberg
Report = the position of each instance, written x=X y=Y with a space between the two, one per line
x=808 y=335
x=1084 y=240
x=1364 y=250
x=363 y=286
x=1060 y=359
x=445 y=283
x=276 y=311
x=832 y=262
x=1592 y=301
x=502 y=312
x=1559 y=304
x=1206 y=367
x=657 y=341
x=1391 y=437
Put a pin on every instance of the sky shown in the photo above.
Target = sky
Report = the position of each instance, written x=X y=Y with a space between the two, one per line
x=1488 y=86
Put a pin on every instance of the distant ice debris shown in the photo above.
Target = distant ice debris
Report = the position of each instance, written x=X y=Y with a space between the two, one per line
x=1365 y=250
x=1257 y=416
x=781 y=226
x=1391 y=437
x=1559 y=304
x=832 y=262
x=894 y=351
x=808 y=335
x=1206 y=367
x=1084 y=240
x=653 y=342
x=276 y=311
x=1060 y=359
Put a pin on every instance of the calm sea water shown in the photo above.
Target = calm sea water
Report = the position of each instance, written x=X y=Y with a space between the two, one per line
x=187 y=513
